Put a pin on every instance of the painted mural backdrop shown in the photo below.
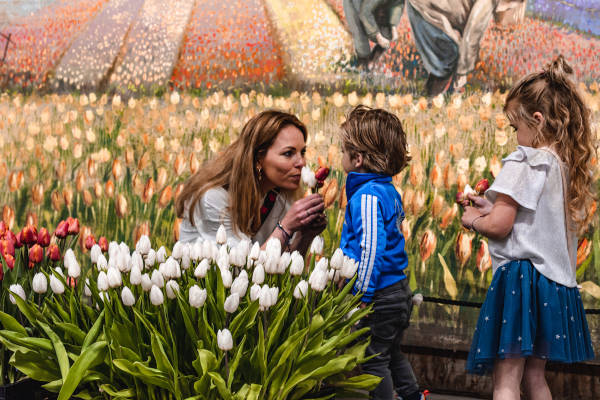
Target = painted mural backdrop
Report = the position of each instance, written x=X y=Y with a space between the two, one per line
x=107 y=106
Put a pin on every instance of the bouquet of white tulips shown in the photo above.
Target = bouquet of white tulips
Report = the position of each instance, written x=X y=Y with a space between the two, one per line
x=208 y=321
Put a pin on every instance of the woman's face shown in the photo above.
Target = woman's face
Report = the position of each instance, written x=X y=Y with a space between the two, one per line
x=283 y=162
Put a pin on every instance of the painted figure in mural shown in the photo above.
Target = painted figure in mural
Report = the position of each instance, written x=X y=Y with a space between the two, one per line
x=372 y=21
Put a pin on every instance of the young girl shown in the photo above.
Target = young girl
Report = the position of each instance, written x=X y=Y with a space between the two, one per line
x=532 y=214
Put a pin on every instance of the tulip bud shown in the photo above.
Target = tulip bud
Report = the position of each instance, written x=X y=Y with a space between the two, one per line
x=127 y=297
x=273 y=295
x=226 y=277
x=301 y=289
x=95 y=252
x=297 y=264
x=254 y=292
x=316 y=246
x=121 y=206
x=463 y=247
x=29 y=235
x=221 y=235
x=224 y=340
x=254 y=251
x=90 y=241
x=103 y=243
x=258 y=275
x=482 y=186
x=427 y=245
x=318 y=279
x=101 y=263
x=284 y=261
x=43 y=237
x=240 y=285
x=322 y=174
x=337 y=260
x=483 y=261
x=322 y=264
x=146 y=282
x=197 y=296
x=156 y=295
x=56 y=285
x=264 y=298
x=62 y=230
x=231 y=303
x=135 y=276
x=36 y=254
x=308 y=177
x=8 y=216
x=158 y=279
x=172 y=288
x=18 y=290
x=73 y=226
x=349 y=268
x=161 y=254
x=150 y=259
x=177 y=251
x=109 y=188
x=10 y=261
x=39 y=284
x=102 y=281
x=148 y=190
x=114 y=277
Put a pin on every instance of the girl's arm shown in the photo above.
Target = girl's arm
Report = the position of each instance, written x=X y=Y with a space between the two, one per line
x=496 y=224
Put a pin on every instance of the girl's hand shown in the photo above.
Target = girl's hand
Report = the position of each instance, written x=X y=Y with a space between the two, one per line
x=469 y=216
x=306 y=213
x=483 y=205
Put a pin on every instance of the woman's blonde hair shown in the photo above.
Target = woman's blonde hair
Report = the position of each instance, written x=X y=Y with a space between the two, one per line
x=235 y=170
x=566 y=129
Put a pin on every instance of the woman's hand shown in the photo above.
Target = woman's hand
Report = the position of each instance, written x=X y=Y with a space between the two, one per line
x=469 y=216
x=306 y=214
x=483 y=205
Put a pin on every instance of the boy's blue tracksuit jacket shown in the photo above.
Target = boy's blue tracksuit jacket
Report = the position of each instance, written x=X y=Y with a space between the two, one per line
x=372 y=233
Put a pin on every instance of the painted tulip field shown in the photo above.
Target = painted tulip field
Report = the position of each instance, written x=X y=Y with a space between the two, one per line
x=118 y=166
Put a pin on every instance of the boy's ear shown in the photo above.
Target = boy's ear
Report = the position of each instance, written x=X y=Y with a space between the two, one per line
x=539 y=119
x=357 y=160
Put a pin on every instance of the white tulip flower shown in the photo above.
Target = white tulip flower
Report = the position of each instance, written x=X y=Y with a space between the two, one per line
x=127 y=297
x=254 y=292
x=223 y=261
x=284 y=262
x=240 y=285
x=158 y=279
x=150 y=259
x=124 y=248
x=161 y=254
x=337 y=259
x=95 y=251
x=316 y=247
x=104 y=296
x=135 y=276
x=349 y=268
x=196 y=250
x=113 y=248
x=322 y=264
x=273 y=248
x=123 y=262
x=258 y=275
x=301 y=289
x=186 y=262
x=232 y=303
x=254 y=251
x=172 y=269
x=112 y=261
x=73 y=268
x=172 y=288
x=86 y=288
x=146 y=282
x=102 y=282
x=243 y=248
x=39 y=284
x=264 y=298
x=143 y=245
x=224 y=340
x=18 y=290
x=197 y=296
x=262 y=257
x=274 y=294
x=156 y=296
x=331 y=274
x=207 y=249
x=297 y=264
x=202 y=269
x=114 y=277
x=221 y=235
x=60 y=272
x=177 y=251
x=136 y=261
x=101 y=263
x=56 y=285
x=226 y=277
x=318 y=280
x=308 y=177
x=237 y=257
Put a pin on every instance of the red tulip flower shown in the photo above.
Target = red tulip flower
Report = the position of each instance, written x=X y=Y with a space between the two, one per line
x=44 y=237
x=90 y=240
x=62 y=230
x=73 y=226
x=7 y=247
x=29 y=235
x=322 y=173
x=482 y=186
x=10 y=261
x=17 y=240
x=53 y=252
x=36 y=254
x=3 y=229
x=103 y=243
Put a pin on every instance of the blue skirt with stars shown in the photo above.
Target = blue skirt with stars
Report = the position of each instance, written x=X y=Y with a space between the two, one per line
x=526 y=314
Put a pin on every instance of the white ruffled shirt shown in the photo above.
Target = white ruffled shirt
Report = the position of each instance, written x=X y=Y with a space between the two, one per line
x=532 y=178
x=212 y=211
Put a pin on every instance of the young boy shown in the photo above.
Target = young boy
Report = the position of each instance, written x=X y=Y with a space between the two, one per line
x=375 y=149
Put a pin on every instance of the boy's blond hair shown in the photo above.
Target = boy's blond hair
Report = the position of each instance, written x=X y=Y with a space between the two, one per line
x=377 y=135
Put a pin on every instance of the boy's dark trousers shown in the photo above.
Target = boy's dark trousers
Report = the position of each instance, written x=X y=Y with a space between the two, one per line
x=392 y=307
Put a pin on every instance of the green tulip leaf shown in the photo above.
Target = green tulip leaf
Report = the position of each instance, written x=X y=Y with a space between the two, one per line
x=35 y=365
x=89 y=358
x=162 y=361
x=32 y=343
x=11 y=324
x=93 y=332
x=72 y=330
x=150 y=376
x=236 y=362
x=59 y=349
x=364 y=381
x=124 y=394
x=219 y=382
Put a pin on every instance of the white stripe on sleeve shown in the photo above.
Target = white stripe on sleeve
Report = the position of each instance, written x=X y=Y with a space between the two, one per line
x=372 y=215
